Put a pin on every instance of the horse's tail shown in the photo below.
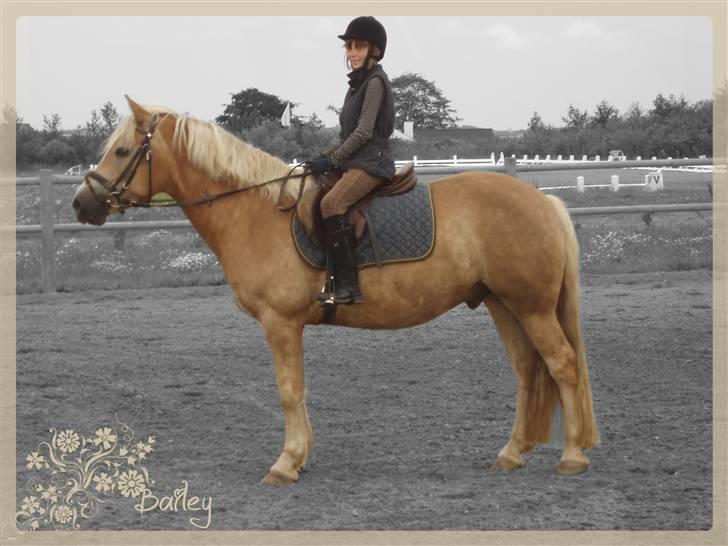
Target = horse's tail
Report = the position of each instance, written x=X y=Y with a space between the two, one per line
x=569 y=317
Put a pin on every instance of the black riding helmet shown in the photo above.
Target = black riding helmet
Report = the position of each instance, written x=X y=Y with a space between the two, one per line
x=369 y=29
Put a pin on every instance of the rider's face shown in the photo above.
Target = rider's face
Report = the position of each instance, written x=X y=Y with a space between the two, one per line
x=356 y=52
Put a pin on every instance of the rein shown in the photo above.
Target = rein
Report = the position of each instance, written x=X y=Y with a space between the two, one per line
x=208 y=199
x=115 y=190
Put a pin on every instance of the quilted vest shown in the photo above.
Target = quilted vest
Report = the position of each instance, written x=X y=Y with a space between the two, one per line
x=373 y=157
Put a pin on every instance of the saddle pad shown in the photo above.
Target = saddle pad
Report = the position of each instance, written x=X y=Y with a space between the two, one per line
x=404 y=226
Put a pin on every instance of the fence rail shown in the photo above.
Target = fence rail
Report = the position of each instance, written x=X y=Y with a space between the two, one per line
x=509 y=166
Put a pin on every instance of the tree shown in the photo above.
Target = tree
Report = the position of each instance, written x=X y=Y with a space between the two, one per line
x=634 y=112
x=52 y=126
x=110 y=118
x=604 y=113
x=93 y=135
x=419 y=100
x=663 y=108
x=536 y=123
x=251 y=107
x=575 y=118
x=94 y=126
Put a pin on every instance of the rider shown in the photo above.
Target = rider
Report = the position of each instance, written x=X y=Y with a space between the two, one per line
x=367 y=122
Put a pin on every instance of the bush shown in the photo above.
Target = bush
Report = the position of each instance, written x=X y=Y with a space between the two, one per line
x=56 y=151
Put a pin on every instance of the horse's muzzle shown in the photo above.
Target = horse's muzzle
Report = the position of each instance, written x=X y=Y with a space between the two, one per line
x=88 y=208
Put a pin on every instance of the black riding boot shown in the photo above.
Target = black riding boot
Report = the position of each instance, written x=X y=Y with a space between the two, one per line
x=342 y=284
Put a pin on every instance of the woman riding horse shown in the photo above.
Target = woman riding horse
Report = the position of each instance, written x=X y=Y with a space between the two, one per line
x=367 y=122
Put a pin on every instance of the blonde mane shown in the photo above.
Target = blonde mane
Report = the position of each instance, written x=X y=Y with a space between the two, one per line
x=218 y=154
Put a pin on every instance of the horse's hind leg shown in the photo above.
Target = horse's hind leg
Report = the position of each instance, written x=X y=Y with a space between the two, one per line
x=549 y=339
x=285 y=340
x=522 y=354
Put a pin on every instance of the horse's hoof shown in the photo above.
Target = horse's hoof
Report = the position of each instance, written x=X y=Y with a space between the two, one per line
x=508 y=463
x=276 y=477
x=573 y=467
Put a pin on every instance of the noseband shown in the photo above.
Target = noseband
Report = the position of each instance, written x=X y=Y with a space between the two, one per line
x=114 y=197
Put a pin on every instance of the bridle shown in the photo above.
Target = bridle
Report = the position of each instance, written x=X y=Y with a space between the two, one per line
x=114 y=196
x=115 y=191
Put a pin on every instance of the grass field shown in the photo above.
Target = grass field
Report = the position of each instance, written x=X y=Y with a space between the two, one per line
x=609 y=244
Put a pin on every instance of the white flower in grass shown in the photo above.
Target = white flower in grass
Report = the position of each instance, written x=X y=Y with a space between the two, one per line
x=131 y=483
x=68 y=441
x=30 y=505
x=105 y=437
x=36 y=460
x=63 y=514
x=104 y=482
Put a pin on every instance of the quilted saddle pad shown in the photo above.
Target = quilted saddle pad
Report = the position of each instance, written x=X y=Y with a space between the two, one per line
x=403 y=225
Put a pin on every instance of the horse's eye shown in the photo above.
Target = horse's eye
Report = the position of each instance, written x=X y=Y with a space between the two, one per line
x=121 y=152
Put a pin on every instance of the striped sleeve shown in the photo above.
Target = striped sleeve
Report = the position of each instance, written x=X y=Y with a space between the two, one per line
x=373 y=97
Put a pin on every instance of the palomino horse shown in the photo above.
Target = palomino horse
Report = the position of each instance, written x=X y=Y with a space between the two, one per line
x=499 y=241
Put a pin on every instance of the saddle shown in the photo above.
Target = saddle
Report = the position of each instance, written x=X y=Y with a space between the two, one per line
x=309 y=210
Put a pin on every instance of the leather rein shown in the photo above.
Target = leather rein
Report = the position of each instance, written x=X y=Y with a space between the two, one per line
x=114 y=197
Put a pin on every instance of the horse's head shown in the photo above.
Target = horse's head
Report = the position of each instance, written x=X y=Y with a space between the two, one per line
x=137 y=163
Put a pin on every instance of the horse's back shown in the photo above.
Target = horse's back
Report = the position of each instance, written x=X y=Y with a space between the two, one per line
x=492 y=187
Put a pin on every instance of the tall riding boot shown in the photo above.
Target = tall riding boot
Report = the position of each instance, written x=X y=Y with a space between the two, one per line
x=343 y=274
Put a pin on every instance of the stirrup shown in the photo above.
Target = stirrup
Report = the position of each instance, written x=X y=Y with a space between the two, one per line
x=325 y=297
x=352 y=296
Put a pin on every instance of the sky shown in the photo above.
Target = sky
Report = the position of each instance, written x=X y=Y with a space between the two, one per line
x=496 y=71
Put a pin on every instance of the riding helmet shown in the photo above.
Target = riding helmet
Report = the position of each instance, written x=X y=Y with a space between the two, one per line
x=369 y=29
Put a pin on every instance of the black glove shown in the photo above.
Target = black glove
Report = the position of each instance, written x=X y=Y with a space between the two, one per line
x=320 y=165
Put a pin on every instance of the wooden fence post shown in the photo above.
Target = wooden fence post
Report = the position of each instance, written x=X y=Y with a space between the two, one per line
x=47 y=220
x=510 y=164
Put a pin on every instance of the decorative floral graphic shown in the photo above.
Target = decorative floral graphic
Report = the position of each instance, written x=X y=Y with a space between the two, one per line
x=36 y=460
x=79 y=472
x=68 y=441
x=131 y=483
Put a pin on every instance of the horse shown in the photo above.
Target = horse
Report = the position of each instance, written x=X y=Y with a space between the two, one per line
x=499 y=242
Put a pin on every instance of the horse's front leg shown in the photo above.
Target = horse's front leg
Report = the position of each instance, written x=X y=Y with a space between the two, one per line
x=285 y=339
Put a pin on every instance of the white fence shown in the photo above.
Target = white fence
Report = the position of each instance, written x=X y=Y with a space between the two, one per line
x=510 y=166
x=538 y=160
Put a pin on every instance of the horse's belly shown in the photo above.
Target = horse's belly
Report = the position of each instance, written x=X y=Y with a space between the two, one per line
x=404 y=295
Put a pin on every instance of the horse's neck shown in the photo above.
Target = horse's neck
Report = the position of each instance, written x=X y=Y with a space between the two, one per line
x=228 y=224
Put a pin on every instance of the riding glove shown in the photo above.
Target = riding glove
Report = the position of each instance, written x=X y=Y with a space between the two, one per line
x=320 y=165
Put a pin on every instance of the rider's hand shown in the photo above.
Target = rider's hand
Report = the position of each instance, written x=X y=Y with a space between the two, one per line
x=320 y=165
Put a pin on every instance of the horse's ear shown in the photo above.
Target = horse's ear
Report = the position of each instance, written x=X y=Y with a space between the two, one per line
x=140 y=114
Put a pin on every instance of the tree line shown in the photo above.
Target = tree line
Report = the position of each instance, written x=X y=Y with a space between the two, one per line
x=672 y=126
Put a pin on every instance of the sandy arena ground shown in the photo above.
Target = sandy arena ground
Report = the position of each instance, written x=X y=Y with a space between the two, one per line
x=406 y=423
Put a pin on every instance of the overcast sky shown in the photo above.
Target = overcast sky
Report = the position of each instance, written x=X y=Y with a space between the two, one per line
x=496 y=71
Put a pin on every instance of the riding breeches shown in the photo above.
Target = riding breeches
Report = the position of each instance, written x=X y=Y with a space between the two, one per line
x=352 y=186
